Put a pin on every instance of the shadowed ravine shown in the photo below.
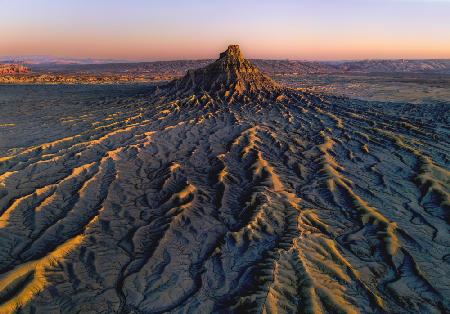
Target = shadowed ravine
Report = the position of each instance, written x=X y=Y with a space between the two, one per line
x=226 y=192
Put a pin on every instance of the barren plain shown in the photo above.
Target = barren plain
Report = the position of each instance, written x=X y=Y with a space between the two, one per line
x=223 y=191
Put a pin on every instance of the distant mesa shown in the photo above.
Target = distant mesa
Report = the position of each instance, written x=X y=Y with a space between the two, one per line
x=13 y=68
x=231 y=78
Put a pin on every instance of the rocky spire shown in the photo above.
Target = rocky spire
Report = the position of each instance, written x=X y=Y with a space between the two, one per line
x=233 y=51
x=231 y=78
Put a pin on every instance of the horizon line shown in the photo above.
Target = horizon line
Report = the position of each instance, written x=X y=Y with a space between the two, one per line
x=11 y=58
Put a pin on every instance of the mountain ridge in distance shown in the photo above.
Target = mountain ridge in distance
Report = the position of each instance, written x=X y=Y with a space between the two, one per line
x=64 y=64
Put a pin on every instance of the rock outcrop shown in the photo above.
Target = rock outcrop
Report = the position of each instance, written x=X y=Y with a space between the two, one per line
x=230 y=78
x=13 y=69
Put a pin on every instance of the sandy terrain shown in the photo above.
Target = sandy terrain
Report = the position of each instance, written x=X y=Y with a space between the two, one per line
x=222 y=192
x=416 y=88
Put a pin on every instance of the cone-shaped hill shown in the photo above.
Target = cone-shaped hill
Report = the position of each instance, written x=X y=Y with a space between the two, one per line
x=224 y=192
x=231 y=78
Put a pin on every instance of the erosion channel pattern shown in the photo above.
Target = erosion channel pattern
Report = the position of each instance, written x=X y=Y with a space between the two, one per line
x=224 y=192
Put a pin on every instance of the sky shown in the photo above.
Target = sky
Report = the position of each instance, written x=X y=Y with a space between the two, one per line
x=181 y=29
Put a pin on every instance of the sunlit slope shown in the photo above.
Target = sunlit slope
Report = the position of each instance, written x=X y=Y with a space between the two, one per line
x=230 y=200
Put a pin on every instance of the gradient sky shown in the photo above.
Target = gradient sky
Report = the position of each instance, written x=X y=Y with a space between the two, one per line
x=177 y=29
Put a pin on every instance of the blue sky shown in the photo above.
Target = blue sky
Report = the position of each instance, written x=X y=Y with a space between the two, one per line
x=155 y=30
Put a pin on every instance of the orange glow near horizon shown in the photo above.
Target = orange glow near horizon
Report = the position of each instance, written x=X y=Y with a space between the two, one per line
x=307 y=49
x=155 y=30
